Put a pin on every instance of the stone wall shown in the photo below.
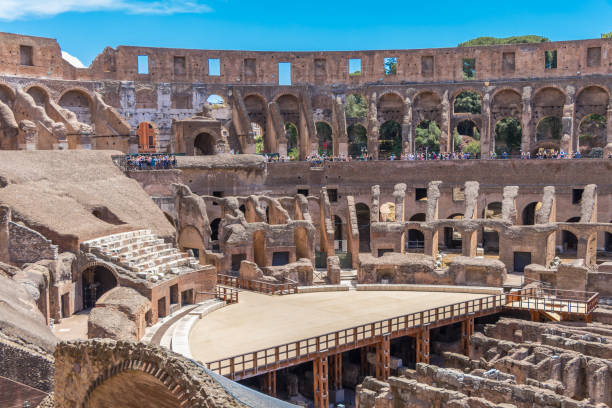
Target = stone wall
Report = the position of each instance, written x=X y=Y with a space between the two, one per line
x=29 y=246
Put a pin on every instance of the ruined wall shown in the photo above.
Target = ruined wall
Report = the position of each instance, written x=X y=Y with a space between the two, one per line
x=29 y=246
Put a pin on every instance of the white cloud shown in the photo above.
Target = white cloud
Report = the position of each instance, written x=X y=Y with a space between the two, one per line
x=20 y=9
x=72 y=60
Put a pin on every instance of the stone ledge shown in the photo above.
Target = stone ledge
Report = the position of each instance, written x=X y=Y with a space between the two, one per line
x=323 y=288
x=431 y=288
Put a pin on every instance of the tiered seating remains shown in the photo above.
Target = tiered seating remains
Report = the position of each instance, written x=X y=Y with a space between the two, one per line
x=142 y=253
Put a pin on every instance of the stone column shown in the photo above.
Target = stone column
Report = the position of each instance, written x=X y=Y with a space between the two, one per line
x=587 y=248
x=373 y=127
x=568 y=141
x=486 y=142
x=407 y=140
x=445 y=133
x=469 y=241
x=526 y=120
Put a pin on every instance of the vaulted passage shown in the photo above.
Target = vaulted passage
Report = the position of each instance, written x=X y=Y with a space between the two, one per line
x=204 y=145
x=97 y=280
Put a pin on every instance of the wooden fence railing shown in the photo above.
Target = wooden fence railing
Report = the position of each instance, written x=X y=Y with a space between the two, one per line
x=258 y=286
x=228 y=295
x=297 y=352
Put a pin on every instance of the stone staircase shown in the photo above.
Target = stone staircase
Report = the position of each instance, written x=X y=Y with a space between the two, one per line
x=142 y=254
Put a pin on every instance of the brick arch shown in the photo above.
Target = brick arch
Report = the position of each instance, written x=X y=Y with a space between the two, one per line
x=8 y=89
x=79 y=89
x=424 y=110
x=501 y=110
x=42 y=87
x=103 y=264
x=286 y=92
x=542 y=89
x=148 y=368
x=456 y=93
x=387 y=92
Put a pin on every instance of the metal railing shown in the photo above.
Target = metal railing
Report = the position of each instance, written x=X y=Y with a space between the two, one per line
x=257 y=285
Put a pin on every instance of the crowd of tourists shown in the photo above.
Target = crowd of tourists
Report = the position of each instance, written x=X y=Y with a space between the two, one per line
x=150 y=162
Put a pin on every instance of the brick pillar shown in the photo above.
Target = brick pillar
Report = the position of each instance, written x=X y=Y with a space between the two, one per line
x=469 y=241
x=467 y=329
x=587 y=248
x=567 y=139
x=431 y=243
x=320 y=379
x=373 y=126
x=486 y=135
x=422 y=345
x=407 y=136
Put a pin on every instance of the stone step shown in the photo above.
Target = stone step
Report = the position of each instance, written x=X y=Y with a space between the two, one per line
x=132 y=247
x=127 y=241
x=116 y=237
x=159 y=260
x=156 y=250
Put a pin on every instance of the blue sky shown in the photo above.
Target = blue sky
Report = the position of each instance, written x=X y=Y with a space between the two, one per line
x=84 y=27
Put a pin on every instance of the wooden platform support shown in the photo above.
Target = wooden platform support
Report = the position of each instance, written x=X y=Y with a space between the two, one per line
x=321 y=385
x=336 y=371
x=269 y=383
x=467 y=329
x=383 y=358
x=422 y=345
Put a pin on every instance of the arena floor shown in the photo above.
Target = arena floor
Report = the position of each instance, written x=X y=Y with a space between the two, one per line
x=259 y=321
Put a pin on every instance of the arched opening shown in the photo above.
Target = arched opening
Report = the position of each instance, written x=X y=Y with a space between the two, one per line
x=39 y=95
x=355 y=107
x=508 y=135
x=387 y=212
x=259 y=248
x=301 y=243
x=79 y=103
x=363 y=225
x=592 y=137
x=390 y=140
x=97 y=280
x=216 y=101
x=468 y=102
x=7 y=95
x=147 y=137
x=324 y=134
x=292 y=141
x=529 y=212
x=338 y=228
x=390 y=107
x=490 y=237
x=214 y=228
x=452 y=236
x=427 y=137
x=357 y=140
x=548 y=134
x=132 y=389
x=465 y=132
x=204 y=145
x=415 y=242
x=258 y=136
x=569 y=241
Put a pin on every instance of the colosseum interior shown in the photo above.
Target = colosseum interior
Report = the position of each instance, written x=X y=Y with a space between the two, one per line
x=185 y=228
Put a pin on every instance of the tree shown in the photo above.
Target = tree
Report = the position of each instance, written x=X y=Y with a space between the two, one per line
x=428 y=136
x=390 y=66
x=355 y=106
x=292 y=150
x=523 y=39
x=468 y=102
x=508 y=136
x=607 y=35
x=391 y=138
x=473 y=148
x=457 y=141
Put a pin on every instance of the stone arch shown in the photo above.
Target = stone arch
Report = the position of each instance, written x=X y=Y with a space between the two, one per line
x=39 y=93
x=387 y=212
x=97 y=278
x=7 y=94
x=460 y=105
x=546 y=101
x=506 y=103
x=256 y=107
x=325 y=136
x=389 y=139
x=204 y=144
x=111 y=385
x=363 y=225
x=591 y=99
x=80 y=102
x=569 y=241
x=357 y=140
x=528 y=215
x=390 y=106
x=148 y=134
x=427 y=105
x=293 y=139
x=216 y=100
